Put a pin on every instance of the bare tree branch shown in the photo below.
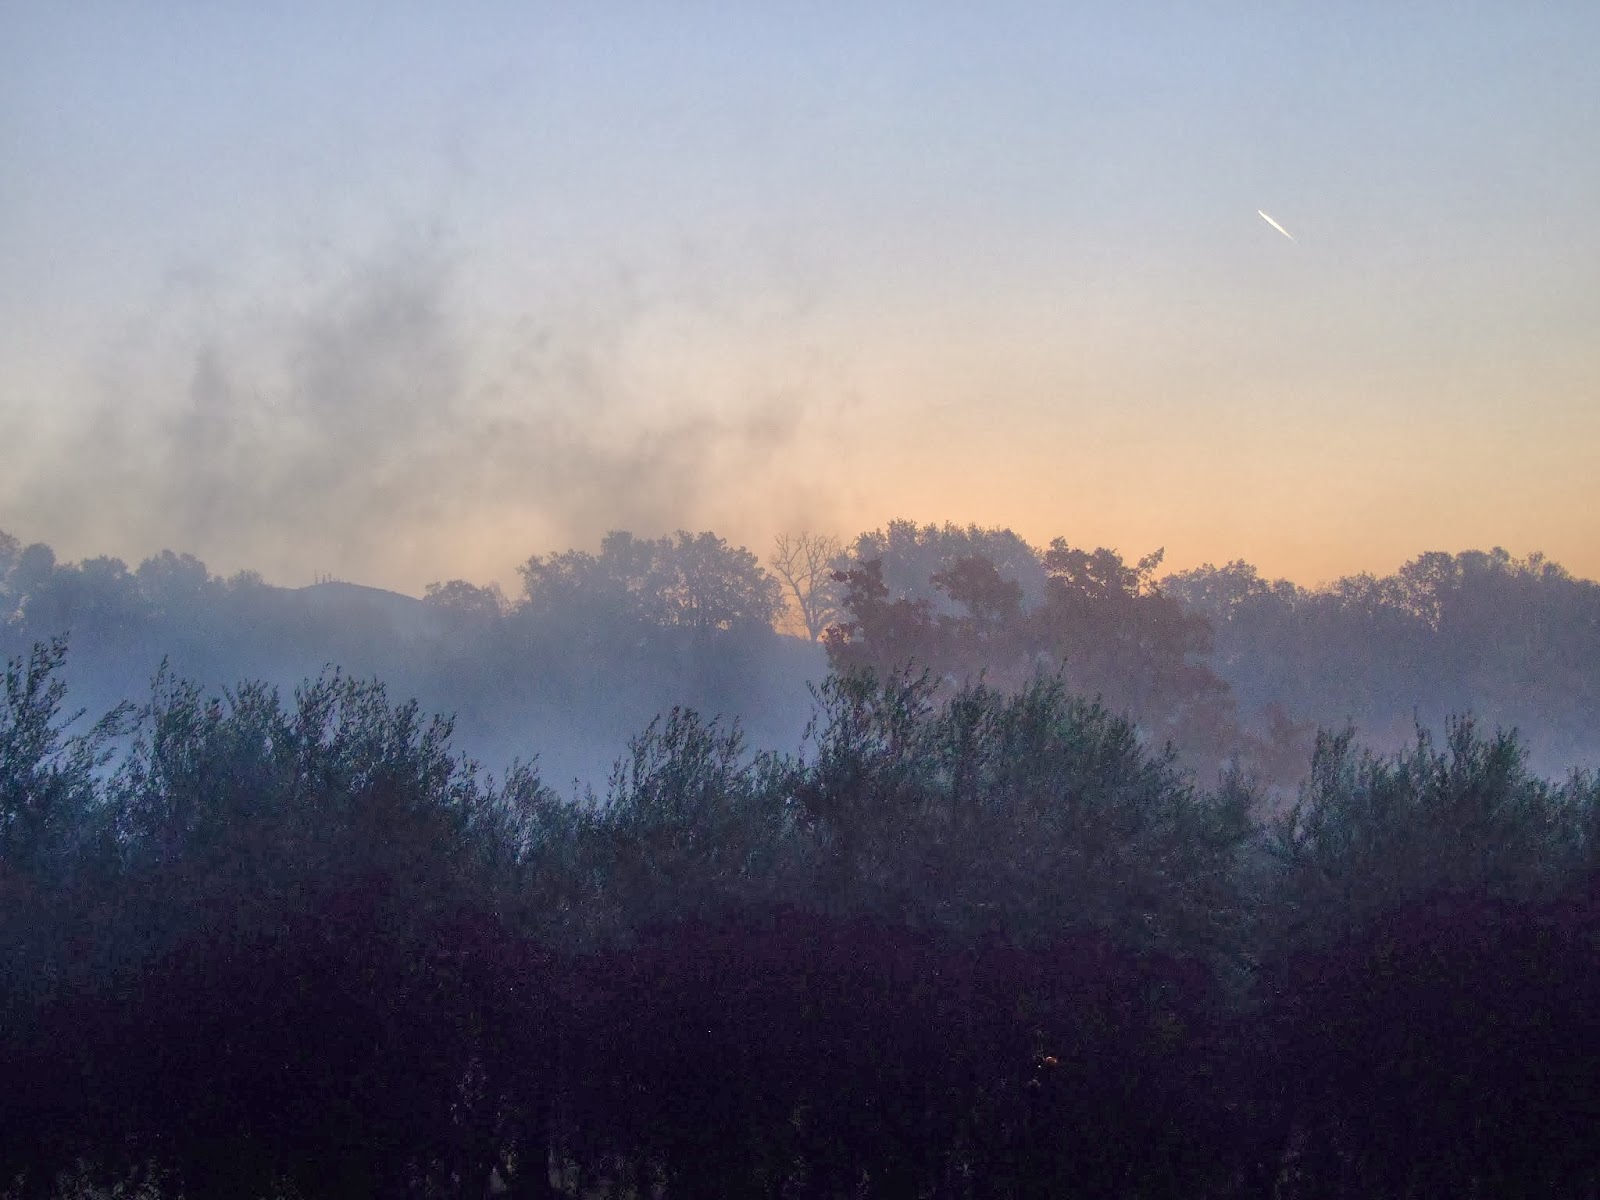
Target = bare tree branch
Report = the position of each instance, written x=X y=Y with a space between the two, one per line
x=805 y=564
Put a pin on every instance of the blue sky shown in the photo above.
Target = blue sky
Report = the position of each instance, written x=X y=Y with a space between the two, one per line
x=406 y=292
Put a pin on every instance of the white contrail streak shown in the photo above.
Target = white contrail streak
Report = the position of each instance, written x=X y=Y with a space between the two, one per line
x=1276 y=226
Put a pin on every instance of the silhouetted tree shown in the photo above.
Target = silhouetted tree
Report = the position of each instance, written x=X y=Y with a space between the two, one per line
x=46 y=776
x=177 y=585
x=30 y=571
x=463 y=604
x=1103 y=625
x=1119 y=637
x=912 y=555
x=806 y=564
x=690 y=580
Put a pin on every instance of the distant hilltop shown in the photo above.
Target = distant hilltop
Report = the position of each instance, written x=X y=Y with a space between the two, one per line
x=407 y=614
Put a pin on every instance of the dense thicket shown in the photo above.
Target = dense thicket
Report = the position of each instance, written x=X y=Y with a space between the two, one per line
x=971 y=942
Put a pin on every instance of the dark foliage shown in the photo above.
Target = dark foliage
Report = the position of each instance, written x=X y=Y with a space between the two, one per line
x=976 y=939
x=1097 y=624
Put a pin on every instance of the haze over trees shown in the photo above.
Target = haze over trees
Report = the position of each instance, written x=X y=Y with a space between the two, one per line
x=691 y=581
x=1049 y=884
x=1223 y=664
x=593 y=647
x=1102 y=626
x=971 y=942
x=1024 y=871
x=1515 y=641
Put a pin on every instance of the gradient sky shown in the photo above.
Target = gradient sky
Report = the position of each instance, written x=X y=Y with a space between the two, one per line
x=411 y=292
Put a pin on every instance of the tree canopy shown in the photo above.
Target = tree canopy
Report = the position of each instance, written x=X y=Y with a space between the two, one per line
x=689 y=580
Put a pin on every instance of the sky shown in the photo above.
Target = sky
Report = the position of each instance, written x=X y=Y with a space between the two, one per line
x=402 y=293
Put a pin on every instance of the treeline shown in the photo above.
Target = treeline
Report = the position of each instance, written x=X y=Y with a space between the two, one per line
x=972 y=942
x=1228 y=667
x=585 y=656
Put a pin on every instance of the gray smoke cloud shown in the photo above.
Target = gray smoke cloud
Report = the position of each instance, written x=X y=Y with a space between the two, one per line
x=376 y=426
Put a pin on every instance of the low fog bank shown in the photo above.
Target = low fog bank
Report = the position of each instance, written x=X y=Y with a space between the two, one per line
x=568 y=682
x=1218 y=662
